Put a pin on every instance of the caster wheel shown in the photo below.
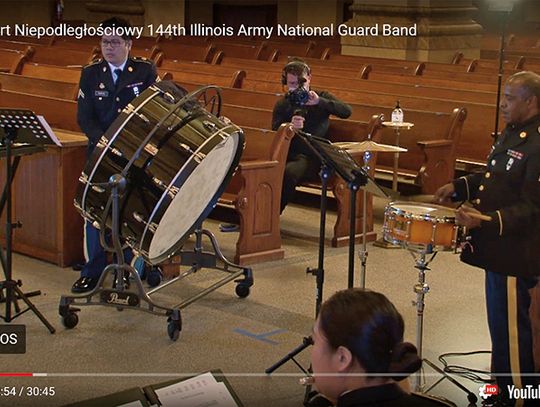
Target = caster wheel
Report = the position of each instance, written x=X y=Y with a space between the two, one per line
x=242 y=290
x=70 y=320
x=154 y=277
x=173 y=329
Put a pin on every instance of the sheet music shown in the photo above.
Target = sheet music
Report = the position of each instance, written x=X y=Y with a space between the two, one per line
x=135 y=403
x=200 y=391
x=49 y=131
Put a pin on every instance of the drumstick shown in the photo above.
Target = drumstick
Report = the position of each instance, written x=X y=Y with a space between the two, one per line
x=431 y=198
x=477 y=215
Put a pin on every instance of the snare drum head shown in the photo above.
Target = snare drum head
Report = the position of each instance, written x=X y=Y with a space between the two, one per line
x=417 y=209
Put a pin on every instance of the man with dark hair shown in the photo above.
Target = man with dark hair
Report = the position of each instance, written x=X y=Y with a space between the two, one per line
x=105 y=88
x=507 y=246
x=307 y=110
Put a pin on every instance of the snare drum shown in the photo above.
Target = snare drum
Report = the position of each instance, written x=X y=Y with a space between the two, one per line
x=420 y=226
x=176 y=165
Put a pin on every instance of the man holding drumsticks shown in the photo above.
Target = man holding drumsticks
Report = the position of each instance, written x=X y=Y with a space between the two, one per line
x=507 y=247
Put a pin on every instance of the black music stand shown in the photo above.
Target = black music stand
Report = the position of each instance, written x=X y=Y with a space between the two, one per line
x=338 y=160
x=21 y=126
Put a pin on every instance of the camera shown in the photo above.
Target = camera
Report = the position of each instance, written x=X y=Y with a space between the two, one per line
x=298 y=96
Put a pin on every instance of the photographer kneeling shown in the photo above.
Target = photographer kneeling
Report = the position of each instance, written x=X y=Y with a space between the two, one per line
x=309 y=111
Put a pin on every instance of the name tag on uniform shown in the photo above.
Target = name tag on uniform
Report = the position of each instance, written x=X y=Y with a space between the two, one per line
x=131 y=85
x=102 y=93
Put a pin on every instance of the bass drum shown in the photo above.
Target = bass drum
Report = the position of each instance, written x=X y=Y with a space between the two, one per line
x=177 y=159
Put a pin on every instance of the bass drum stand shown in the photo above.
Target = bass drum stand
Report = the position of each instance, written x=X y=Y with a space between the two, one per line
x=421 y=288
x=121 y=298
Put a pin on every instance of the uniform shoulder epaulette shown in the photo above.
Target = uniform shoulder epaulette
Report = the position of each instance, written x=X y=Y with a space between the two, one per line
x=141 y=59
x=96 y=62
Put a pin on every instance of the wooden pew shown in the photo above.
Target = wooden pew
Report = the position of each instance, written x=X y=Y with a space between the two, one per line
x=11 y=60
x=340 y=130
x=255 y=193
x=59 y=113
x=37 y=86
x=234 y=81
x=51 y=72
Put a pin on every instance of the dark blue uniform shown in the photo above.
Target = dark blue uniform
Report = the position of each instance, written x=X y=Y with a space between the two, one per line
x=100 y=100
x=508 y=247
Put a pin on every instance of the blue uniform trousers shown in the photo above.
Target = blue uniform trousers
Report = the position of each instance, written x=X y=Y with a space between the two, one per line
x=508 y=301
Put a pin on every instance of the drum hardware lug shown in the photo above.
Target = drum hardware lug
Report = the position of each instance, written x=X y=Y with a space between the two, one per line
x=83 y=178
x=96 y=224
x=186 y=147
x=151 y=149
x=103 y=141
x=199 y=156
x=129 y=108
x=152 y=226
x=169 y=97
x=143 y=117
x=116 y=152
x=98 y=189
x=209 y=125
x=173 y=191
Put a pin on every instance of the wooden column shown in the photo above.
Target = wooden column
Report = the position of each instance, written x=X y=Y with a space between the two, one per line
x=437 y=29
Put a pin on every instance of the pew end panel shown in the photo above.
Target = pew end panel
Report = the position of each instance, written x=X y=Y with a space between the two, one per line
x=255 y=194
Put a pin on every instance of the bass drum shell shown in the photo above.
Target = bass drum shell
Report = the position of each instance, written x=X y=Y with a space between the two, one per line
x=176 y=166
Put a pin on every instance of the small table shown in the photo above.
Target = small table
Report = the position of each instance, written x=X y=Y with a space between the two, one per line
x=397 y=128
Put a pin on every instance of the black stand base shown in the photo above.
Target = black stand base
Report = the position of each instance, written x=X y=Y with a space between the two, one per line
x=13 y=295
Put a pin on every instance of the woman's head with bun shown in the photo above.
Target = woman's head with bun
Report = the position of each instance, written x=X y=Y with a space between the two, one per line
x=358 y=342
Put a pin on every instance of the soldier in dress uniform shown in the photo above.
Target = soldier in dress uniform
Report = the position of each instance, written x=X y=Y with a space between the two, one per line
x=508 y=246
x=105 y=88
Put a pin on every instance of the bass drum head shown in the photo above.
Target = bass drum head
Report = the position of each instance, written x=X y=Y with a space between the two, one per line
x=196 y=198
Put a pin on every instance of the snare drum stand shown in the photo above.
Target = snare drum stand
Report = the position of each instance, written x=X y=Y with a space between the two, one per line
x=421 y=289
x=119 y=296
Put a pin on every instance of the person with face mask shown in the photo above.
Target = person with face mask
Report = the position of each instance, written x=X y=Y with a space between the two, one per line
x=308 y=110
x=105 y=88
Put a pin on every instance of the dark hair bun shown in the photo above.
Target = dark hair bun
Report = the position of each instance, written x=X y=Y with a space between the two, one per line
x=405 y=360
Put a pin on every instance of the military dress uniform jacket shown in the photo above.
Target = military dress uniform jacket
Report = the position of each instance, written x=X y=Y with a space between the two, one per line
x=508 y=191
x=100 y=100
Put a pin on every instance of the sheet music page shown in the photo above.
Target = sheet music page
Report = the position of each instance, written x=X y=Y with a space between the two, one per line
x=47 y=128
x=200 y=391
x=135 y=403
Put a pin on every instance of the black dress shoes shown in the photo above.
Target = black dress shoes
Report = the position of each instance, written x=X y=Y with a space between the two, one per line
x=84 y=284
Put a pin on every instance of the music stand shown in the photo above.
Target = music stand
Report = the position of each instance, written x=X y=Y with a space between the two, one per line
x=338 y=160
x=22 y=126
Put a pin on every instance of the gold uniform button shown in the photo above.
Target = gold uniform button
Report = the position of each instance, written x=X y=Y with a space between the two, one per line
x=118 y=99
x=493 y=162
x=130 y=69
x=119 y=110
x=477 y=201
x=481 y=188
x=523 y=134
x=488 y=174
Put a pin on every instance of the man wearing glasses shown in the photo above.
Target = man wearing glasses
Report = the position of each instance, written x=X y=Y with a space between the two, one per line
x=105 y=88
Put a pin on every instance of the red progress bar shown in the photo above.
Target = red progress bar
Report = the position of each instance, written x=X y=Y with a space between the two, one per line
x=16 y=374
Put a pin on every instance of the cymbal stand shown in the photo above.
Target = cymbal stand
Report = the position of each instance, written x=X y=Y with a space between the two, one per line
x=421 y=288
x=363 y=254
